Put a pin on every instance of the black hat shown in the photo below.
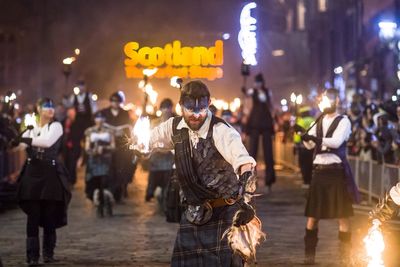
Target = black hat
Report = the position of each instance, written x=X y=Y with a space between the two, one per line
x=99 y=115
x=166 y=103
x=259 y=78
x=118 y=96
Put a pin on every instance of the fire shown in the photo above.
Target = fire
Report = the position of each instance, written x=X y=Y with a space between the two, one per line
x=325 y=103
x=68 y=60
x=141 y=132
x=30 y=120
x=375 y=245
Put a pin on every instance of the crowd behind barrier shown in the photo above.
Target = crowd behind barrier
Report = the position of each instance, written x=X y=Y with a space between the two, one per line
x=374 y=179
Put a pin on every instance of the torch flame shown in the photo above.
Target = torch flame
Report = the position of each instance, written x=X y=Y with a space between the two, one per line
x=149 y=72
x=141 y=131
x=68 y=60
x=375 y=245
x=325 y=103
x=30 y=120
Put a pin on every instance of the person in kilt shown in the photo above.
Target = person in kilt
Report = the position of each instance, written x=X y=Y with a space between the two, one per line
x=99 y=145
x=43 y=186
x=212 y=167
x=333 y=189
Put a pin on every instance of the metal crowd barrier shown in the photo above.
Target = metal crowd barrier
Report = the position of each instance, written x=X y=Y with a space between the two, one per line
x=373 y=179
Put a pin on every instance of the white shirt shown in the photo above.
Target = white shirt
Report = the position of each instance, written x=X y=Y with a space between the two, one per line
x=340 y=135
x=45 y=136
x=81 y=98
x=226 y=139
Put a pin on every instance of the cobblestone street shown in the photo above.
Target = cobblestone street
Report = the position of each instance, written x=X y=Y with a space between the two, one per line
x=139 y=236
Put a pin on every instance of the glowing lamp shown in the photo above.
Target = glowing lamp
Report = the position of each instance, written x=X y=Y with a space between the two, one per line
x=68 y=60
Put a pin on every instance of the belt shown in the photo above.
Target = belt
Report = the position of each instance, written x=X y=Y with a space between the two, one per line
x=328 y=166
x=221 y=202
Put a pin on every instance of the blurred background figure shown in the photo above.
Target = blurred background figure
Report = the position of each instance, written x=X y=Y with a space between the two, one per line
x=99 y=145
x=304 y=120
x=260 y=124
x=117 y=119
x=161 y=163
x=71 y=148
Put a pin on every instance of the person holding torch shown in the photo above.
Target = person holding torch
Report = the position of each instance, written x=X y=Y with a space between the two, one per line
x=43 y=188
x=214 y=171
x=332 y=188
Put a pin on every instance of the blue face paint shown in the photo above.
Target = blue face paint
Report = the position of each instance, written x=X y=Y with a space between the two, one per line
x=48 y=105
x=195 y=105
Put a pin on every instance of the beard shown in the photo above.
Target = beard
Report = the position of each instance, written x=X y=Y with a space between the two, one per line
x=194 y=123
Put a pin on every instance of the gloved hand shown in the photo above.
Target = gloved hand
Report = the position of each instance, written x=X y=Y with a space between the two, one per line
x=244 y=215
x=20 y=139
x=384 y=211
x=316 y=140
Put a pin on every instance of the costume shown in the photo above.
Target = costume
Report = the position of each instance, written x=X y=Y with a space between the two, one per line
x=122 y=168
x=43 y=189
x=160 y=167
x=333 y=189
x=99 y=146
x=207 y=162
x=260 y=123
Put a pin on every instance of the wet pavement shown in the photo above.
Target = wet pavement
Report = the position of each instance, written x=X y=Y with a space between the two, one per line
x=138 y=234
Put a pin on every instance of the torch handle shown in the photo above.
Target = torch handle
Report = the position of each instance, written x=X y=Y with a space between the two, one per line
x=315 y=122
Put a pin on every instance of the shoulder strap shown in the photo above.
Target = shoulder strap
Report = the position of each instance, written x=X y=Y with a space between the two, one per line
x=175 y=123
x=319 y=131
x=333 y=126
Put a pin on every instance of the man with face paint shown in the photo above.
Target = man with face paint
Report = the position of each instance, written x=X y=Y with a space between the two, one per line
x=122 y=168
x=333 y=188
x=212 y=167
x=260 y=123
x=43 y=188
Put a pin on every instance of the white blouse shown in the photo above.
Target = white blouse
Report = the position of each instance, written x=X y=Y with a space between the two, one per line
x=45 y=136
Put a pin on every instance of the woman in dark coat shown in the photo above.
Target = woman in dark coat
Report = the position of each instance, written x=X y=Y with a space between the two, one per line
x=43 y=189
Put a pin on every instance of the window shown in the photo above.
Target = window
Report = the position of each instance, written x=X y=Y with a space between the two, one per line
x=322 y=5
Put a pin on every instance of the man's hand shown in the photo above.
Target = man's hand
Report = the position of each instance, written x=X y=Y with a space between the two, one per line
x=385 y=210
x=244 y=215
x=316 y=140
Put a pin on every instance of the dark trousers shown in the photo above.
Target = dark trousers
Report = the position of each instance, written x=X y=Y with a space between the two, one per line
x=157 y=178
x=268 y=153
x=99 y=182
x=41 y=209
x=306 y=163
x=71 y=157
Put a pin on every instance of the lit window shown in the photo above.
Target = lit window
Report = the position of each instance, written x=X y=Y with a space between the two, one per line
x=322 y=5
x=301 y=11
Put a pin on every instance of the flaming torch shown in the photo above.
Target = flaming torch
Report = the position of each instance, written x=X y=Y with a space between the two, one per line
x=324 y=103
x=141 y=133
x=30 y=120
x=375 y=245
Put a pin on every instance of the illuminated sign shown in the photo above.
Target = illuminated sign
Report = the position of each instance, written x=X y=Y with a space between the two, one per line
x=247 y=35
x=175 y=60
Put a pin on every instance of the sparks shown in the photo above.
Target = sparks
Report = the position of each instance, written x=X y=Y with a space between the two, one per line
x=375 y=245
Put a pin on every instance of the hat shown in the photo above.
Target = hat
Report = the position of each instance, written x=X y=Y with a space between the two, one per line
x=118 y=96
x=166 y=103
x=259 y=78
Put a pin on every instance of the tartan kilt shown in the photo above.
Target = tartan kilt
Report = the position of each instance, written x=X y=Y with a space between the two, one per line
x=202 y=245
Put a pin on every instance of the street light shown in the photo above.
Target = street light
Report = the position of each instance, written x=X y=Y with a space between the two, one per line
x=387 y=29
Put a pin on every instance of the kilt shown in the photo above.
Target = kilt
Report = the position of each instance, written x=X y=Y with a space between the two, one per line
x=198 y=246
x=328 y=197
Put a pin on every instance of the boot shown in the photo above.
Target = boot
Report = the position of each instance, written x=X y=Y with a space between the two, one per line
x=345 y=247
x=32 y=251
x=310 y=242
x=49 y=243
